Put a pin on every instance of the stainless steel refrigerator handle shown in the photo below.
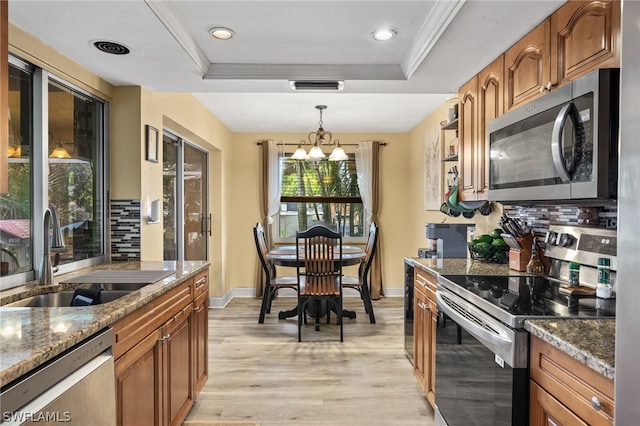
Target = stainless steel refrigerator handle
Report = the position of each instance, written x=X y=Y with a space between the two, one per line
x=568 y=111
x=476 y=330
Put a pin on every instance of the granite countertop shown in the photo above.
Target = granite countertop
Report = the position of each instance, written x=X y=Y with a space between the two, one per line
x=590 y=341
x=463 y=267
x=31 y=336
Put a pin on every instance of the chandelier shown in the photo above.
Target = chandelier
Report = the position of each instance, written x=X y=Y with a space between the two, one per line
x=317 y=140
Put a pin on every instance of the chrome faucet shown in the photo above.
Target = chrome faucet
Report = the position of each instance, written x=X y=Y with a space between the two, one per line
x=57 y=241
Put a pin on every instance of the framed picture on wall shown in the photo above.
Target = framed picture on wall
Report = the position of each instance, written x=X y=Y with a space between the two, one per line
x=152 y=143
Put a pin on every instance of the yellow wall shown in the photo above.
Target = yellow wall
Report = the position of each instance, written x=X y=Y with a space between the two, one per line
x=245 y=201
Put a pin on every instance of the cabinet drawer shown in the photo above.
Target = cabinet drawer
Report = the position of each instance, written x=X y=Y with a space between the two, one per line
x=131 y=329
x=201 y=283
x=427 y=284
x=572 y=383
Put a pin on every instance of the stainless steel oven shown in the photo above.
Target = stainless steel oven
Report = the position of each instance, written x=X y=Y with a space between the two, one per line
x=482 y=377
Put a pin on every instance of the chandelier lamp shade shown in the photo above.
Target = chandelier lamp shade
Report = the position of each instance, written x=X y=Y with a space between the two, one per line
x=317 y=140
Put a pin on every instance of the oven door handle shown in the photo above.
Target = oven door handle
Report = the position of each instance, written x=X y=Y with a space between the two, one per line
x=489 y=338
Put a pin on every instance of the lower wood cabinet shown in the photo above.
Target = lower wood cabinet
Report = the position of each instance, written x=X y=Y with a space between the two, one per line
x=563 y=391
x=160 y=355
x=201 y=331
x=425 y=318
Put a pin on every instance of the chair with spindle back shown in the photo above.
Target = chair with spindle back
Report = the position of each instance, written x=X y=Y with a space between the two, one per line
x=319 y=271
x=273 y=283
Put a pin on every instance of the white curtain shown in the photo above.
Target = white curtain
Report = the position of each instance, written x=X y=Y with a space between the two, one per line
x=276 y=152
x=273 y=175
x=364 y=170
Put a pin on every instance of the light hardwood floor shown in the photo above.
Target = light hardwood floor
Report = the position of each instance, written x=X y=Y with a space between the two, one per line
x=259 y=372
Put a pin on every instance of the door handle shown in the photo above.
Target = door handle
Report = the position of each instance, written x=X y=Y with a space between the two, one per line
x=568 y=112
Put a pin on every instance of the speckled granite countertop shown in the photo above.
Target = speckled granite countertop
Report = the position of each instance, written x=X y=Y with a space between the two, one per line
x=463 y=267
x=590 y=341
x=31 y=336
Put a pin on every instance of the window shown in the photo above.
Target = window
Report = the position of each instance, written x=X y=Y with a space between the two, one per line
x=74 y=187
x=59 y=163
x=16 y=256
x=324 y=192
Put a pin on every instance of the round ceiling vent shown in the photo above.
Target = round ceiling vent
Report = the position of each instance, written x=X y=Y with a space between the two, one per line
x=111 y=47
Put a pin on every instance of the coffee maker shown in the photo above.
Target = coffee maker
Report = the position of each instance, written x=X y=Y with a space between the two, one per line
x=445 y=240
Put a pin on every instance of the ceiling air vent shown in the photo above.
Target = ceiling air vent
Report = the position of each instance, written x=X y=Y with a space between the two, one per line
x=111 y=47
x=334 y=85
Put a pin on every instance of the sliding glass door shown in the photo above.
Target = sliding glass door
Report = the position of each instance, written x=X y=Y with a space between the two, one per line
x=187 y=222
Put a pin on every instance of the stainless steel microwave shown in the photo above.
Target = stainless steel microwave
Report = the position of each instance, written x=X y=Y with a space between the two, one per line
x=561 y=146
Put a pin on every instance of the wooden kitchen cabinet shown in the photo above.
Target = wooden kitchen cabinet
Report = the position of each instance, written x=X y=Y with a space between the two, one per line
x=467 y=139
x=424 y=332
x=201 y=331
x=563 y=391
x=160 y=355
x=585 y=36
x=579 y=37
x=527 y=66
x=481 y=100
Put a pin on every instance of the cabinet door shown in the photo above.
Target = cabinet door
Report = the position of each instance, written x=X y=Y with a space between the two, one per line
x=467 y=137
x=545 y=410
x=139 y=384
x=490 y=106
x=200 y=341
x=419 y=321
x=527 y=67
x=177 y=334
x=585 y=36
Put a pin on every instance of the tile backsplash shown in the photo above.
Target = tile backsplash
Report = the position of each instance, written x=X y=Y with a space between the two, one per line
x=539 y=217
x=125 y=229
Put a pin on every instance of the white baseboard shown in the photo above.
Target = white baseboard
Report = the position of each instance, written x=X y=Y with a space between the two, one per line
x=221 y=302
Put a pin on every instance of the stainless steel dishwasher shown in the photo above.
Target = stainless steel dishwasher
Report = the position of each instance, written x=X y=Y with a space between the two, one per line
x=75 y=388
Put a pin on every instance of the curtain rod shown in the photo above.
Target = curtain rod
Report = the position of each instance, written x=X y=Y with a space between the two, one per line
x=341 y=144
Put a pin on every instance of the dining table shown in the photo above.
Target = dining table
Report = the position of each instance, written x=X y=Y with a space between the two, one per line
x=286 y=256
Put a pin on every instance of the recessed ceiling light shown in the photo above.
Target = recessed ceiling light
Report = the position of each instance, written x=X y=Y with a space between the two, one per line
x=221 y=33
x=384 y=35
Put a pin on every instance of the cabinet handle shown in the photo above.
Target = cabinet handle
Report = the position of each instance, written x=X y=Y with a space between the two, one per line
x=201 y=281
x=546 y=87
x=595 y=403
x=165 y=338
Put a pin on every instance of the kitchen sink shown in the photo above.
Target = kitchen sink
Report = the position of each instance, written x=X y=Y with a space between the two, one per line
x=63 y=299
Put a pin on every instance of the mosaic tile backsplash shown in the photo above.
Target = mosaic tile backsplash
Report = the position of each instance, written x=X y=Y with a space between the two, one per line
x=539 y=217
x=125 y=230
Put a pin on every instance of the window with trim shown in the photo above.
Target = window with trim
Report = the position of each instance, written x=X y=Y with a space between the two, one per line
x=321 y=192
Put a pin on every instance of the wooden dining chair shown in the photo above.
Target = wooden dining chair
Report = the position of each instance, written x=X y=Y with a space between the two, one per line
x=319 y=271
x=273 y=283
x=361 y=282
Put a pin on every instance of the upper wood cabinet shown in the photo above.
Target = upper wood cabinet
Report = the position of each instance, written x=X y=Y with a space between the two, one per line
x=481 y=100
x=467 y=138
x=4 y=95
x=527 y=66
x=585 y=36
x=579 y=37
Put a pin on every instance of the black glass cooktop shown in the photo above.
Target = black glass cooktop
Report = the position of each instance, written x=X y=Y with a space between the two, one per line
x=528 y=296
